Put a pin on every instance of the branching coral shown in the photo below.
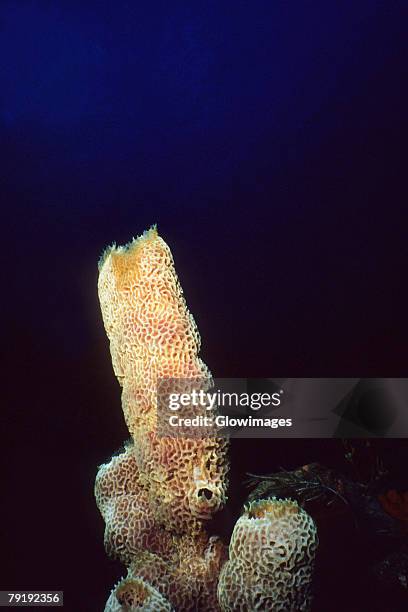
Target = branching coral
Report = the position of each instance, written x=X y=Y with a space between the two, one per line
x=271 y=557
x=157 y=495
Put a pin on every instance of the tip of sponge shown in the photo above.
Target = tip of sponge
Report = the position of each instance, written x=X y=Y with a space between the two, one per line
x=149 y=234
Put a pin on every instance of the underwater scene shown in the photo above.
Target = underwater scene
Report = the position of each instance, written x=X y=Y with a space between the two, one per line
x=204 y=313
x=282 y=540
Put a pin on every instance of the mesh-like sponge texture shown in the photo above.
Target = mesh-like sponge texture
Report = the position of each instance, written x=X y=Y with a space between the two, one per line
x=271 y=558
x=156 y=495
x=130 y=525
x=136 y=595
x=153 y=336
x=187 y=578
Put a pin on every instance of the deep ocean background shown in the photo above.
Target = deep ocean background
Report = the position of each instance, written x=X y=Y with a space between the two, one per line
x=268 y=141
